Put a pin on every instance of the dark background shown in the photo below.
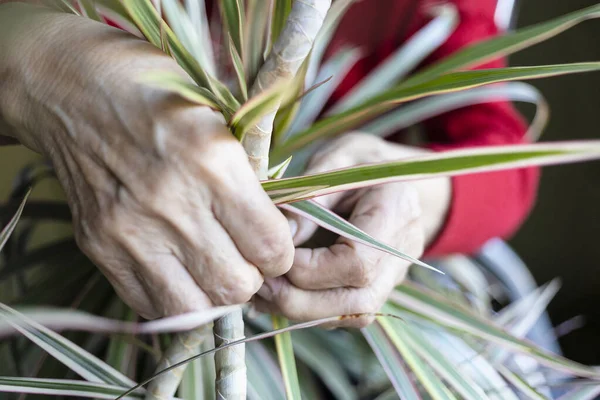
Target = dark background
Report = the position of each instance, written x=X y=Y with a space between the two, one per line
x=561 y=238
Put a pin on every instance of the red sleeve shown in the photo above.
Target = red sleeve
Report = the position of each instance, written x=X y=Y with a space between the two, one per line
x=483 y=205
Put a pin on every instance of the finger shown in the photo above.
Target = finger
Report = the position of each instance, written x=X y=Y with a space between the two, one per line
x=169 y=284
x=196 y=250
x=306 y=305
x=214 y=261
x=258 y=228
x=120 y=270
x=383 y=212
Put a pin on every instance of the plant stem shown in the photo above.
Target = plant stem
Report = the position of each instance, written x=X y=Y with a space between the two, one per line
x=288 y=54
x=183 y=347
x=230 y=363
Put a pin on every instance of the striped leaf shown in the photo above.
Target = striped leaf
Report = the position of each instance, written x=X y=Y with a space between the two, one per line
x=58 y=387
x=403 y=60
x=505 y=44
x=336 y=224
x=287 y=360
x=452 y=82
x=421 y=110
x=183 y=87
x=450 y=163
x=392 y=362
x=436 y=308
x=431 y=382
x=74 y=357
x=233 y=12
x=256 y=108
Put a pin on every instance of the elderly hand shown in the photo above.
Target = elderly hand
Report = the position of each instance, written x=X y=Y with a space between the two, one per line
x=348 y=277
x=163 y=197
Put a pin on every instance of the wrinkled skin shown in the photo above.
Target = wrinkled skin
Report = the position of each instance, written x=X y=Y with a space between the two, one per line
x=163 y=197
x=164 y=200
x=348 y=277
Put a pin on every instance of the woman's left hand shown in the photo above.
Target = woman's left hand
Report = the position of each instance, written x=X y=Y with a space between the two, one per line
x=349 y=277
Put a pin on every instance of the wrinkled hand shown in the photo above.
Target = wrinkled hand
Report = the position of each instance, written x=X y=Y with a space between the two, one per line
x=163 y=197
x=348 y=277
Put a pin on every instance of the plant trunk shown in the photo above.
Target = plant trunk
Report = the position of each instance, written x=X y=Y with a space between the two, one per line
x=184 y=346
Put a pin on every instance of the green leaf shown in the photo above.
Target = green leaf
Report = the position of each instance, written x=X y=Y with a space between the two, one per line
x=436 y=308
x=183 y=87
x=119 y=352
x=520 y=383
x=313 y=103
x=448 y=83
x=232 y=11
x=89 y=10
x=287 y=361
x=151 y=25
x=257 y=28
x=316 y=355
x=238 y=66
x=264 y=377
x=466 y=357
x=256 y=108
x=403 y=60
x=391 y=361
x=74 y=357
x=432 y=384
x=505 y=44
x=58 y=387
x=192 y=37
x=281 y=10
x=334 y=223
x=196 y=10
x=12 y=224
x=62 y=5
x=464 y=386
x=198 y=381
x=450 y=163
x=83 y=321
x=421 y=110
x=278 y=171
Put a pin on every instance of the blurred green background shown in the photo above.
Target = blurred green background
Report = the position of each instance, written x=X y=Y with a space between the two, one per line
x=561 y=237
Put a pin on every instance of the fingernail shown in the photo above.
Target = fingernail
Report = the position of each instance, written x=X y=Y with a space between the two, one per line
x=293 y=227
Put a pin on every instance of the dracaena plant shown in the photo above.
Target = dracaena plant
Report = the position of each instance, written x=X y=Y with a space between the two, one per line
x=272 y=100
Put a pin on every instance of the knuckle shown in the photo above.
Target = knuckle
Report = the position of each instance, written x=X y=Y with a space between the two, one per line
x=363 y=272
x=276 y=252
x=238 y=290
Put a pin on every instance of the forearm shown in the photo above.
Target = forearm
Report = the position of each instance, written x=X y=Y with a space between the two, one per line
x=55 y=66
x=19 y=25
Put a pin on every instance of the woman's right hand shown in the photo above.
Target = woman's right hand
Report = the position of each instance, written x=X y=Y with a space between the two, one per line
x=163 y=197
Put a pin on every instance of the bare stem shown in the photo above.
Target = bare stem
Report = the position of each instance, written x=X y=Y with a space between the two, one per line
x=184 y=346
x=230 y=363
x=289 y=52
